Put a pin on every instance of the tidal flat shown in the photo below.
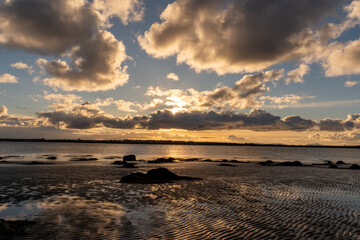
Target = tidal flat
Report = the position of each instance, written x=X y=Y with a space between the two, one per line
x=86 y=200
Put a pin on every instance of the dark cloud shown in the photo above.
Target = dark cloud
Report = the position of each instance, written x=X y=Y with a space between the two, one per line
x=45 y=26
x=96 y=65
x=236 y=35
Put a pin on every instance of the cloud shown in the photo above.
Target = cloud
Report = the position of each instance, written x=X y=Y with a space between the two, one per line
x=235 y=138
x=72 y=29
x=341 y=58
x=127 y=11
x=8 y=78
x=15 y=120
x=62 y=101
x=288 y=100
x=21 y=65
x=173 y=76
x=236 y=36
x=96 y=65
x=46 y=27
x=3 y=110
x=350 y=84
x=244 y=94
x=297 y=74
x=86 y=117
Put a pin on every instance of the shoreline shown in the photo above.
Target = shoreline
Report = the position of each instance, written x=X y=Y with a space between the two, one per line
x=170 y=142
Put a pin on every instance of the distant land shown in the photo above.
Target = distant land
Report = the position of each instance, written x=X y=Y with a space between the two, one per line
x=170 y=142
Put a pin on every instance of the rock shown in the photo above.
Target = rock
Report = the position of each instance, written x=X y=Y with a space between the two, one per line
x=354 y=167
x=153 y=176
x=51 y=158
x=207 y=160
x=163 y=160
x=129 y=165
x=83 y=159
x=227 y=165
x=191 y=159
x=333 y=166
x=327 y=162
x=118 y=163
x=267 y=163
x=13 y=229
x=340 y=163
x=37 y=163
x=293 y=164
x=235 y=161
x=129 y=158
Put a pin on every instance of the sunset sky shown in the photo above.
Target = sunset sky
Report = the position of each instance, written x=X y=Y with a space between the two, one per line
x=247 y=71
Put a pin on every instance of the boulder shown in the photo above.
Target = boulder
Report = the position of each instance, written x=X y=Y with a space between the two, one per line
x=267 y=163
x=227 y=165
x=354 y=167
x=127 y=158
x=154 y=176
x=340 y=163
x=83 y=159
x=293 y=164
x=51 y=158
x=163 y=160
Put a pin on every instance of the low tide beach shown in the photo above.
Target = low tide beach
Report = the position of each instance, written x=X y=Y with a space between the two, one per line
x=81 y=196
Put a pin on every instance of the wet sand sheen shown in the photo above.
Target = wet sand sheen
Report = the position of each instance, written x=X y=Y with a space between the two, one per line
x=244 y=202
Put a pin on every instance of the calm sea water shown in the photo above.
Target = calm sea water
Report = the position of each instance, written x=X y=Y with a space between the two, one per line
x=149 y=151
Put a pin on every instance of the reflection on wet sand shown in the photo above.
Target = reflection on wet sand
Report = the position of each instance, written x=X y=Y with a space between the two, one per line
x=250 y=201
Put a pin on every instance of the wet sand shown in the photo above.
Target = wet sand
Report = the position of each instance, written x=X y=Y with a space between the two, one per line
x=85 y=200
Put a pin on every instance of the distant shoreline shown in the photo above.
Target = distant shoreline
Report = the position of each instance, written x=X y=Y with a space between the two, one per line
x=170 y=142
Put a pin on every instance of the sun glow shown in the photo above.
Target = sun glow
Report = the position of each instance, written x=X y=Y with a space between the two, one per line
x=177 y=103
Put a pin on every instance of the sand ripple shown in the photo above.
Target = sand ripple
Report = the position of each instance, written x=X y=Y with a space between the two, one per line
x=246 y=202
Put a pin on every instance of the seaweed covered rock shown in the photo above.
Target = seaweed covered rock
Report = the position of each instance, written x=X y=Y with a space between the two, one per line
x=153 y=176
x=293 y=164
x=163 y=160
x=340 y=163
x=354 y=167
x=128 y=158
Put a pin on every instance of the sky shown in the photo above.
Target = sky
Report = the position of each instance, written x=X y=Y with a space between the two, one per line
x=245 y=71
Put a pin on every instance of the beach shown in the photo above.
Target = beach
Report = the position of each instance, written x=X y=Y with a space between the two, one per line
x=242 y=200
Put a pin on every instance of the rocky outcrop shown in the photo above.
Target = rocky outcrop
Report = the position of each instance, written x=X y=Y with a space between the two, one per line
x=155 y=176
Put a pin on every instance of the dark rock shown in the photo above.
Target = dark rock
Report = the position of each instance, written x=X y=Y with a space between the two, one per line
x=3 y=162
x=51 y=158
x=83 y=159
x=191 y=159
x=235 y=161
x=354 y=167
x=129 y=158
x=1 y=158
x=340 y=163
x=267 y=163
x=37 y=163
x=113 y=157
x=293 y=164
x=207 y=160
x=153 y=176
x=118 y=163
x=225 y=160
x=327 y=162
x=13 y=229
x=333 y=166
x=129 y=165
x=227 y=165
x=163 y=160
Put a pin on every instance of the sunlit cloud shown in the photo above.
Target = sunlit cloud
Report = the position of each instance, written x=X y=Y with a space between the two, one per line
x=24 y=66
x=226 y=37
x=350 y=84
x=8 y=78
x=173 y=76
